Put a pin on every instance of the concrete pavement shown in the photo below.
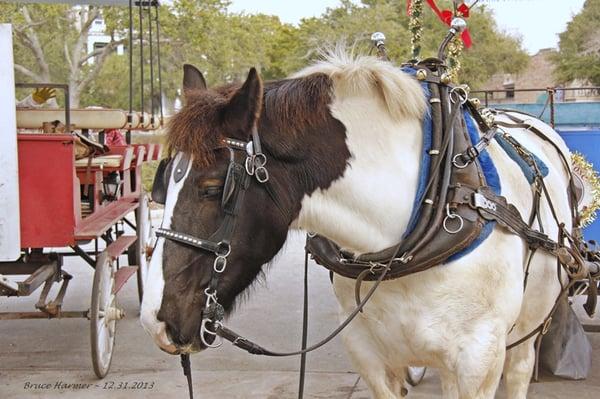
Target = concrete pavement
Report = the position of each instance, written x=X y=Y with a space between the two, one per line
x=51 y=358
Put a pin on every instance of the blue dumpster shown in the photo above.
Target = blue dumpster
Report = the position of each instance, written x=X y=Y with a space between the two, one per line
x=586 y=142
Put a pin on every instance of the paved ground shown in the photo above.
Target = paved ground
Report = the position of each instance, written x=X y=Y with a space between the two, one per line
x=56 y=352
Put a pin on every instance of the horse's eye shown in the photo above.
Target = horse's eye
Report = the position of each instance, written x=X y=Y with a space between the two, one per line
x=210 y=191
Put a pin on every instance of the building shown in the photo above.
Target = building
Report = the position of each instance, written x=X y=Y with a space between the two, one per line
x=539 y=74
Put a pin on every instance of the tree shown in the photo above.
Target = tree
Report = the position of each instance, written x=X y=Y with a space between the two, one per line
x=493 y=51
x=579 y=47
x=51 y=43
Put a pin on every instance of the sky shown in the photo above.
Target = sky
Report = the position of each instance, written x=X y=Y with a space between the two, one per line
x=537 y=22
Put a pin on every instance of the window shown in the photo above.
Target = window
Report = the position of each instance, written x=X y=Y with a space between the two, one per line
x=510 y=90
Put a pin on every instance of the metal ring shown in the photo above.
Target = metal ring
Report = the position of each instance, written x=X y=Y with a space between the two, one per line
x=203 y=329
x=220 y=264
x=456 y=91
x=457 y=164
x=262 y=175
x=223 y=245
x=210 y=297
x=249 y=165
x=450 y=217
x=260 y=159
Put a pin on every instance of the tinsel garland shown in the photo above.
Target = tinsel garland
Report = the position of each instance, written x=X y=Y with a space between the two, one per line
x=415 y=25
x=586 y=171
x=454 y=52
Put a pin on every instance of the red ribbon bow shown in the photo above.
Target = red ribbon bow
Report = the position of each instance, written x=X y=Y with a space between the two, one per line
x=446 y=17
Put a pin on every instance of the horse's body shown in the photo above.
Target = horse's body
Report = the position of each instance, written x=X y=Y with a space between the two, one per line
x=454 y=317
x=457 y=317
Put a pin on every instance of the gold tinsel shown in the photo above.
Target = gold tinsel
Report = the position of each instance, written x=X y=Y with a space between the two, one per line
x=415 y=25
x=586 y=171
x=455 y=49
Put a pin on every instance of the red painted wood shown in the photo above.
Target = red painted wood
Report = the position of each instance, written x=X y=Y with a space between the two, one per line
x=101 y=220
x=122 y=275
x=120 y=245
x=46 y=188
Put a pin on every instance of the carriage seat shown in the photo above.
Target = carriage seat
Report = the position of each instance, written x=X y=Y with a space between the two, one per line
x=102 y=161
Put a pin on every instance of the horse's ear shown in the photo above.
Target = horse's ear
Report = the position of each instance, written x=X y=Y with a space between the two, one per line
x=245 y=105
x=192 y=79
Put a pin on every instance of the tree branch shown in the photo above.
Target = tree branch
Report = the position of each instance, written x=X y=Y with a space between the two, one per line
x=82 y=39
x=34 y=45
x=95 y=70
x=109 y=47
x=27 y=72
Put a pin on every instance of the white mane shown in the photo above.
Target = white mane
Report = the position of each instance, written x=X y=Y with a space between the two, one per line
x=356 y=74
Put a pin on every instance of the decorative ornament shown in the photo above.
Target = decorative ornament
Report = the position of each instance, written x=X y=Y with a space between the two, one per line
x=415 y=25
x=421 y=74
x=586 y=171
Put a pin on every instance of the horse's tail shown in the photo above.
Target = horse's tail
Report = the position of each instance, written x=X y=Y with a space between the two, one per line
x=587 y=181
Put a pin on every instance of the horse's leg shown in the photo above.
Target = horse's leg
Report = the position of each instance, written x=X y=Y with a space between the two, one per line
x=449 y=385
x=518 y=369
x=479 y=362
x=397 y=381
x=366 y=360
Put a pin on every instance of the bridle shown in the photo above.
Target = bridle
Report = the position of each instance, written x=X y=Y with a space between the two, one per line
x=237 y=181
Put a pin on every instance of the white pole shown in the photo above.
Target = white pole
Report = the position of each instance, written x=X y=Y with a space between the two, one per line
x=10 y=234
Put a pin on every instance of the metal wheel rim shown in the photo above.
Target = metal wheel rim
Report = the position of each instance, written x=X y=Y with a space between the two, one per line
x=145 y=236
x=102 y=329
x=414 y=375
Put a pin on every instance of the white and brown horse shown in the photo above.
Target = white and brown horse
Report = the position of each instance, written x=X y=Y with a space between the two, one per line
x=343 y=140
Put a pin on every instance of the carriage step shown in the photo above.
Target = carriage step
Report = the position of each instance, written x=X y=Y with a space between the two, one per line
x=8 y=287
x=123 y=274
x=104 y=218
x=120 y=245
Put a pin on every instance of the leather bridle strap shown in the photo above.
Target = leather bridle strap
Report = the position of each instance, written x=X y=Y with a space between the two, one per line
x=190 y=240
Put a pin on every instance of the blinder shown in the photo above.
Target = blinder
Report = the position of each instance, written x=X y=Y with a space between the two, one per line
x=163 y=175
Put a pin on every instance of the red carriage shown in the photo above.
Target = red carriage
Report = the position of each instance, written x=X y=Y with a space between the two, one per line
x=56 y=206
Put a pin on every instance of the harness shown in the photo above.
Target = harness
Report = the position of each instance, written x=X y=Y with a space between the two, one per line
x=455 y=205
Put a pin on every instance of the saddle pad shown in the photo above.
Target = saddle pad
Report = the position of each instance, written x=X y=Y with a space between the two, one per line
x=527 y=170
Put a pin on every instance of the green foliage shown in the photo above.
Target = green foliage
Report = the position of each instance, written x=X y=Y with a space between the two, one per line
x=224 y=45
x=579 y=47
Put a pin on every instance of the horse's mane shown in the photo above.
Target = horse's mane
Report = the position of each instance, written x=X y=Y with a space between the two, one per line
x=359 y=74
x=297 y=102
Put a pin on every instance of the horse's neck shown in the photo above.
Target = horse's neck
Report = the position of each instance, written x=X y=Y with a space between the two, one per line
x=368 y=208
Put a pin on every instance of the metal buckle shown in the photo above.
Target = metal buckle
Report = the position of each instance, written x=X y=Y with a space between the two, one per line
x=546 y=326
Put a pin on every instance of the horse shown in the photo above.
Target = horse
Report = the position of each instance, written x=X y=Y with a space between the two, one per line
x=343 y=139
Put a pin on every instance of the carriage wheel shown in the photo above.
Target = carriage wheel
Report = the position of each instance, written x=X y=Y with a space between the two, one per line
x=138 y=254
x=103 y=315
x=414 y=375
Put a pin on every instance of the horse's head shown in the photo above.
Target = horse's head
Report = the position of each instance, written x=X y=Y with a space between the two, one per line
x=209 y=195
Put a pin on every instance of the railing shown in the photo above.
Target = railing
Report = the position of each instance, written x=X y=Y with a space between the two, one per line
x=550 y=91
